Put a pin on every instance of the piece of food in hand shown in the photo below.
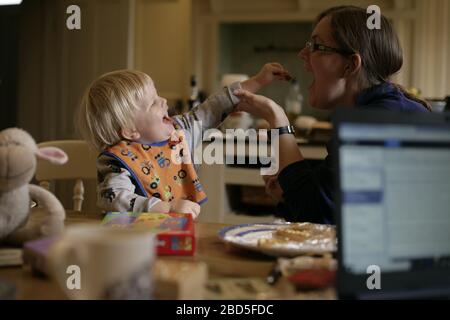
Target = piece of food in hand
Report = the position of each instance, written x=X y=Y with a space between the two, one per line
x=291 y=79
x=286 y=75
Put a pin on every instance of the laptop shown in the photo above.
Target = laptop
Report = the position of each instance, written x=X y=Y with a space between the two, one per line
x=393 y=204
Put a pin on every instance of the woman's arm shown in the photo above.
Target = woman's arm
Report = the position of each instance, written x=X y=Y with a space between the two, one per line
x=270 y=111
x=307 y=190
x=218 y=105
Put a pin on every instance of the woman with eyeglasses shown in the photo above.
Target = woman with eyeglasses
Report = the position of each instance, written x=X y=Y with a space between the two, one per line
x=351 y=67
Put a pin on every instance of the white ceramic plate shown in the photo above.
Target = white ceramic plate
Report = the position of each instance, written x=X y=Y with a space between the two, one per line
x=246 y=236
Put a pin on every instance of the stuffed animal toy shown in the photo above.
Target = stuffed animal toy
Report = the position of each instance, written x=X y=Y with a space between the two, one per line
x=18 y=154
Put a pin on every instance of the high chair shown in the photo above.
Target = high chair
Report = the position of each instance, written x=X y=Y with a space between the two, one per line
x=81 y=165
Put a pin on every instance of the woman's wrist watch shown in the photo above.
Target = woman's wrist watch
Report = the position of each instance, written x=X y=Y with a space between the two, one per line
x=286 y=130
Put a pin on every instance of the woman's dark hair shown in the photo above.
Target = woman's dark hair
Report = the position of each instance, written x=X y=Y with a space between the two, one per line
x=380 y=49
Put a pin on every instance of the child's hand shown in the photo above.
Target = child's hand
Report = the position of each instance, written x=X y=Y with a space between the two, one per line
x=268 y=73
x=185 y=206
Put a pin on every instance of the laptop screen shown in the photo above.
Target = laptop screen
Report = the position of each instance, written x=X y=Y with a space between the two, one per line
x=394 y=184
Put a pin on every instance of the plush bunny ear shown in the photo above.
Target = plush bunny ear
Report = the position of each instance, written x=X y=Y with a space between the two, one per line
x=52 y=154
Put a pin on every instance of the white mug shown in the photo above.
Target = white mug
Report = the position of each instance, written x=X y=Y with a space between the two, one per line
x=94 y=262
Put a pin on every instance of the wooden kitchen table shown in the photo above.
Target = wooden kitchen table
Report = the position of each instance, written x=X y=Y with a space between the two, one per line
x=221 y=261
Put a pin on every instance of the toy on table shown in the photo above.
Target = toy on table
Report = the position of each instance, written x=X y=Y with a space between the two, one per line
x=175 y=231
x=18 y=153
x=175 y=234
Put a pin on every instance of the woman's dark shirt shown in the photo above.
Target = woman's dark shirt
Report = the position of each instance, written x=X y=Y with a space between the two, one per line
x=308 y=190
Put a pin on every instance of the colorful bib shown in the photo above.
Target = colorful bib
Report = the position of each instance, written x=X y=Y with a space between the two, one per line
x=163 y=170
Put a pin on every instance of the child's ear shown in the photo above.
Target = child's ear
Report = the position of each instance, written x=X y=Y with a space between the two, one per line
x=130 y=134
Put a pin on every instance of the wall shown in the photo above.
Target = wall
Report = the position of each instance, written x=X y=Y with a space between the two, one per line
x=163 y=45
x=57 y=64
x=431 y=62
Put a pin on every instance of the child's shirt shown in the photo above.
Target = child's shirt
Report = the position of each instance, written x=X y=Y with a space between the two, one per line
x=123 y=184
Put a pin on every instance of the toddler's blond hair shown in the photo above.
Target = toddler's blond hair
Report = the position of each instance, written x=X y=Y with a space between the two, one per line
x=109 y=105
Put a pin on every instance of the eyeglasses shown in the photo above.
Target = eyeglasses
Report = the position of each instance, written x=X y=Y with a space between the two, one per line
x=313 y=46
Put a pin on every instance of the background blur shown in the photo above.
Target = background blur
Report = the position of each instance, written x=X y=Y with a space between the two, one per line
x=45 y=67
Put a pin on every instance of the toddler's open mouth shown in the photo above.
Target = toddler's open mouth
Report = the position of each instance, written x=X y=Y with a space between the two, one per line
x=167 y=120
